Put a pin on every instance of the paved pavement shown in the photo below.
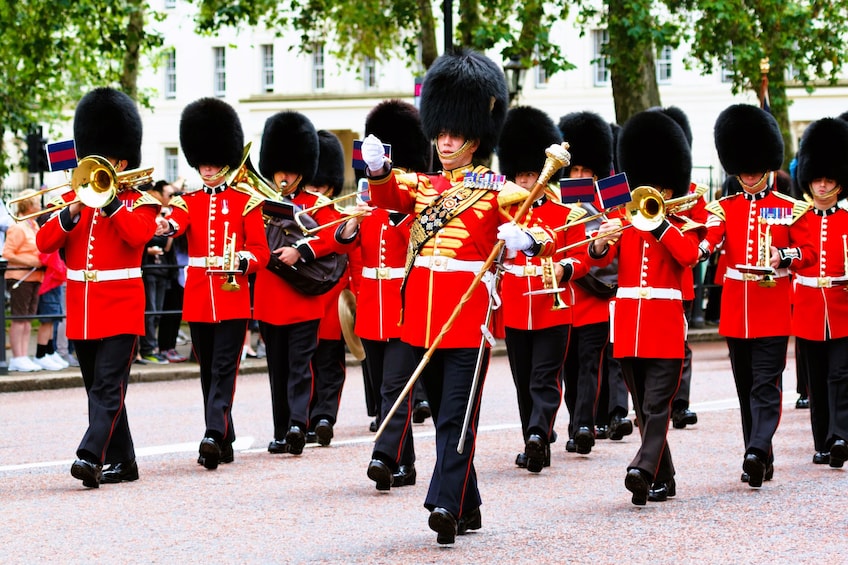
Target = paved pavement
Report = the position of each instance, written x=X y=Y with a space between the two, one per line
x=70 y=377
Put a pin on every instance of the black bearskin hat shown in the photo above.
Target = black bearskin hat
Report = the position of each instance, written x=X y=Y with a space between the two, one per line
x=678 y=116
x=653 y=151
x=107 y=123
x=748 y=140
x=843 y=116
x=211 y=134
x=526 y=133
x=398 y=123
x=590 y=141
x=465 y=93
x=290 y=144
x=822 y=153
x=331 y=162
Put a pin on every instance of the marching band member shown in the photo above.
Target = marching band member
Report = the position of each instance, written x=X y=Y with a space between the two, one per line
x=224 y=231
x=820 y=313
x=647 y=319
x=383 y=238
x=537 y=326
x=288 y=318
x=463 y=104
x=756 y=308
x=328 y=362
x=105 y=292
x=591 y=145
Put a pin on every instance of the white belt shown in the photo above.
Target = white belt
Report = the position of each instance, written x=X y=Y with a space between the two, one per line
x=525 y=270
x=102 y=276
x=382 y=273
x=206 y=262
x=648 y=292
x=737 y=275
x=817 y=282
x=439 y=263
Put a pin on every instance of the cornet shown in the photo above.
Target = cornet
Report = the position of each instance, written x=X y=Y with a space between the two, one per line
x=95 y=182
x=230 y=267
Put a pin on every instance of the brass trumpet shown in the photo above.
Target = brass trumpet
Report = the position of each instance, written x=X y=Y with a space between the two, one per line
x=95 y=182
x=230 y=266
x=645 y=212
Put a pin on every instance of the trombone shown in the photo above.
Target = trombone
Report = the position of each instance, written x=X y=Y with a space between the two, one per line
x=95 y=182
x=345 y=215
x=646 y=211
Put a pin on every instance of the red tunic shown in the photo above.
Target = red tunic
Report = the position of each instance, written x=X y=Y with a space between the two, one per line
x=820 y=311
x=647 y=315
x=98 y=244
x=206 y=219
x=382 y=246
x=277 y=302
x=749 y=310
x=448 y=262
x=697 y=213
x=524 y=274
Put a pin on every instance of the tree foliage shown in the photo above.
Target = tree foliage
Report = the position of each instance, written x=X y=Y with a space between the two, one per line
x=805 y=37
x=53 y=51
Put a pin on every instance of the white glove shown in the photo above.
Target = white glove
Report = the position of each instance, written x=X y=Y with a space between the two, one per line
x=372 y=153
x=515 y=238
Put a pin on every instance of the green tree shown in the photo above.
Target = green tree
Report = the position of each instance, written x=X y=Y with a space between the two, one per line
x=55 y=50
x=807 y=38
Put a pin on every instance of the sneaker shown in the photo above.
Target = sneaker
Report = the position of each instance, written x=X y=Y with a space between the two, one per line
x=70 y=359
x=47 y=363
x=174 y=356
x=154 y=359
x=182 y=339
x=58 y=360
x=23 y=365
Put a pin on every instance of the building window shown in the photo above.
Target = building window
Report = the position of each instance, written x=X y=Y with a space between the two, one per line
x=318 y=66
x=599 y=60
x=541 y=74
x=727 y=68
x=170 y=4
x=268 y=68
x=171 y=74
x=369 y=73
x=172 y=164
x=664 y=64
x=220 y=78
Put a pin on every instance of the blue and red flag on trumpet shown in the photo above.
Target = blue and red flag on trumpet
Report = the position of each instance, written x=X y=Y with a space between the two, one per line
x=358 y=163
x=573 y=191
x=62 y=155
x=614 y=191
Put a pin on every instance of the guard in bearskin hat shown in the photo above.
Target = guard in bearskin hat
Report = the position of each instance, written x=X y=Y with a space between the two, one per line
x=591 y=405
x=537 y=326
x=763 y=235
x=649 y=325
x=102 y=249
x=328 y=363
x=290 y=156
x=226 y=242
x=463 y=105
x=820 y=310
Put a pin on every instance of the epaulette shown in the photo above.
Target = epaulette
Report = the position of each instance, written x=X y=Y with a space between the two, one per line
x=320 y=200
x=511 y=194
x=798 y=206
x=688 y=224
x=145 y=199
x=255 y=200
x=715 y=208
x=243 y=188
x=575 y=212
x=178 y=202
x=842 y=204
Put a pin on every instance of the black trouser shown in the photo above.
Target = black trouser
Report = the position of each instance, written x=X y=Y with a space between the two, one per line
x=390 y=364
x=801 y=376
x=536 y=359
x=826 y=362
x=758 y=371
x=105 y=367
x=653 y=384
x=289 y=350
x=681 y=399
x=328 y=367
x=582 y=374
x=447 y=379
x=169 y=324
x=217 y=347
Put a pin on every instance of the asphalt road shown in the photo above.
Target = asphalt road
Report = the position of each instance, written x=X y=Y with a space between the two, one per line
x=321 y=507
